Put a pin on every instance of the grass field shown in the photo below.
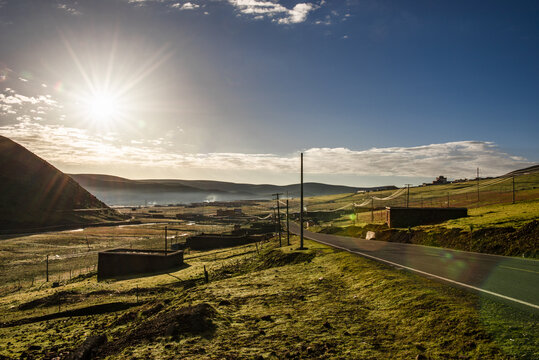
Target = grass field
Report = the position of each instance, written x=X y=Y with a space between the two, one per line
x=275 y=304
x=74 y=252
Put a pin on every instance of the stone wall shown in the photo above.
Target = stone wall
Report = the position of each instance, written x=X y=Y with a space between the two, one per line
x=124 y=262
x=399 y=217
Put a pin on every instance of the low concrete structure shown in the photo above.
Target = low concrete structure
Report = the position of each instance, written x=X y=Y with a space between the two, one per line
x=398 y=217
x=125 y=262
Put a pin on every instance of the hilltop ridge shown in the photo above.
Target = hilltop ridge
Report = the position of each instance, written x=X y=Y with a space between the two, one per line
x=117 y=190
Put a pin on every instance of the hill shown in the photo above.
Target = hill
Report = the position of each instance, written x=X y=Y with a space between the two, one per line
x=120 y=191
x=529 y=170
x=36 y=194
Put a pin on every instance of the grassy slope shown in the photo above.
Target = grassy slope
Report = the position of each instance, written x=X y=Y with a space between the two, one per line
x=515 y=215
x=503 y=229
x=336 y=306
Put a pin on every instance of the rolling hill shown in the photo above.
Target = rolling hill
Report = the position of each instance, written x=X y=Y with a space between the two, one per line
x=529 y=170
x=120 y=191
x=36 y=194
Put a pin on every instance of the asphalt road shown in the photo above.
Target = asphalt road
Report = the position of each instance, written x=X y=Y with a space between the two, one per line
x=512 y=279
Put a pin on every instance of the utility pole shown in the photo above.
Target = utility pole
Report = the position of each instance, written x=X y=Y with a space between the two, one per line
x=408 y=194
x=166 y=245
x=301 y=208
x=278 y=216
x=513 y=189
x=287 y=223
x=477 y=185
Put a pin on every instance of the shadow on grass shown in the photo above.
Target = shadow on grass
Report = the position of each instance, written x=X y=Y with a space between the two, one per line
x=144 y=275
x=85 y=311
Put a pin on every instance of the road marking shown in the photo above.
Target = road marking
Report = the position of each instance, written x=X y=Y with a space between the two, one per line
x=512 y=268
x=429 y=274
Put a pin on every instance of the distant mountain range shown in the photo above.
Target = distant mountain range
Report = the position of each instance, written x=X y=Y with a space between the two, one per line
x=120 y=191
x=34 y=193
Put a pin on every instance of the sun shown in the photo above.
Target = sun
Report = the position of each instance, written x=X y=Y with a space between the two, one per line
x=102 y=106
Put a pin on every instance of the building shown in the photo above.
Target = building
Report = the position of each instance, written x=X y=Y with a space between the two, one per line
x=440 y=180
x=229 y=212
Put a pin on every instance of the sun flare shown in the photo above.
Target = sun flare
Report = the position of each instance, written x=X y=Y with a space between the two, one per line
x=102 y=106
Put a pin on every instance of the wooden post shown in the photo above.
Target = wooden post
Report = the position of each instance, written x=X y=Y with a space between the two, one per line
x=47 y=271
x=166 y=245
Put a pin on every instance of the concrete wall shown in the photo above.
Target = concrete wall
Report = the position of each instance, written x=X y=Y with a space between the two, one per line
x=206 y=242
x=398 y=217
x=124 y=262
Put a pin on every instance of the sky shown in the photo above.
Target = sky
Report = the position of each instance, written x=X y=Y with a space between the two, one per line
x=372 y=92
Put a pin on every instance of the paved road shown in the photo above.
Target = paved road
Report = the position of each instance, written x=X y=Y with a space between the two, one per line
x=512 y=279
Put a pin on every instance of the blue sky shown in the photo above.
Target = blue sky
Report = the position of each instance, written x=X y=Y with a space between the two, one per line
x=375 y=92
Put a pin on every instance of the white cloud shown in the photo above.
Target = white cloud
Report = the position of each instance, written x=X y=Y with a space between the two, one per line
x=189 y=6
x=274 y=10
x=298 y=14
x=12 y=98
x=71 y=146
x=68 y=9
x=185 y=6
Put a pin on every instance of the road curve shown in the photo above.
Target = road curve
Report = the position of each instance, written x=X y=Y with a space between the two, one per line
x=513 y=279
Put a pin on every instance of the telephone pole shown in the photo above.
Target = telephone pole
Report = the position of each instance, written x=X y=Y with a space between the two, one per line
x=287 y=224
x=278 y=216
x=301 y=208
x=408 y=194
